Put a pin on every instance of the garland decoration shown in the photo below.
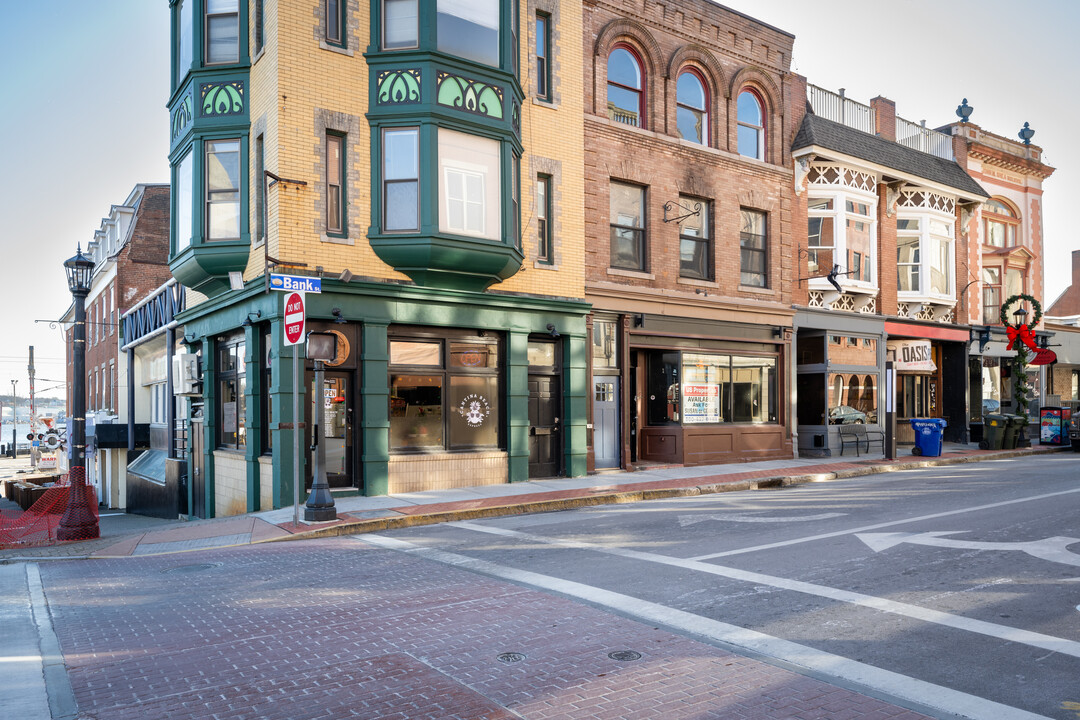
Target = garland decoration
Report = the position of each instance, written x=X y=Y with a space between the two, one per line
x=1017 y=298
x=1023 y=333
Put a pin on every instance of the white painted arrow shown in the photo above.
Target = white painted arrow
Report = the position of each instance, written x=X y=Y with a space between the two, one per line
x=1052 y=548
x=685 y=520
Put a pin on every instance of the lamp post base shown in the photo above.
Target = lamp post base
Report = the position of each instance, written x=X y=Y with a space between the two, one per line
x=323 y=514
x=79 y=522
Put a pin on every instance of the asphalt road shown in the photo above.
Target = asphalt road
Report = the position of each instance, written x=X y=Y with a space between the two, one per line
x=954 y=590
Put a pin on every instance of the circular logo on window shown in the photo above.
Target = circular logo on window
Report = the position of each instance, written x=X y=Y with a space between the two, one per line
x=475 y=409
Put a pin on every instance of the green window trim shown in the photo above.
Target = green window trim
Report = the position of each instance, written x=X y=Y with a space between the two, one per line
x=337 y=223
x=335 y=22
x=542 y=55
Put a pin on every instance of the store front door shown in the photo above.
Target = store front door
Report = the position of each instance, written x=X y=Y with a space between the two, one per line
x=336 y=427
x=545 y=442
x=606 y=420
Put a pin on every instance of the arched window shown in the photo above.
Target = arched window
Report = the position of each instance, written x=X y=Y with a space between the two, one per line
x=751 y=119
x=626 y=87
x=868 y=405
x=1000 y=222
x=854 y=392
x=692 y=108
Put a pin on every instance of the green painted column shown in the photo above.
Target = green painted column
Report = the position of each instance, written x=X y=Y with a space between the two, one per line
x=281 y=402
x=374 y=407
x=576 y=398
x=252 y=415
x=517 y=404
x=210 y=423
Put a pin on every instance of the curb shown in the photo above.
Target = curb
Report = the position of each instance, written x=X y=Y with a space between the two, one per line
x=616 y=498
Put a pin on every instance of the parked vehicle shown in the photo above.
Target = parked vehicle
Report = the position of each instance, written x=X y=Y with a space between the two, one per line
x=846 y=415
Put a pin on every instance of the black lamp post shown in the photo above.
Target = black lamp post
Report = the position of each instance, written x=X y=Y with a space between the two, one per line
x=14 y=417
x=80 y=520
x=1021 y=381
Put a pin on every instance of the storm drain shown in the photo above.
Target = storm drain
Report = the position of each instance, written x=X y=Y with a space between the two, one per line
x=625 y=655
x=510 y=657
x=192 y=568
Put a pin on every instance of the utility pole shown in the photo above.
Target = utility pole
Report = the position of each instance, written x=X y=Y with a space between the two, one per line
x=33 y=434
x=14 y=418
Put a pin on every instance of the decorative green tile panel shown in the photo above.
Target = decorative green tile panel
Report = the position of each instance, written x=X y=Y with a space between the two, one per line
x=222 y=98
x=181 y=118
x=472 y=96
x=400 y=86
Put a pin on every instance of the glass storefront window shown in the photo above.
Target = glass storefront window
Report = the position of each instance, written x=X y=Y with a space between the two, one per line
x=415 y=353
x=811 y=350
x=753 y=389
x=851 y=350
x=474 y=355
x=853 y=398
x=706 y=381
x=416 y=411
x=474 y=411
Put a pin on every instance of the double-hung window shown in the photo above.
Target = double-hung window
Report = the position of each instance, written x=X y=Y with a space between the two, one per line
x=222 y=31
x=753 y=249
x=401 y=182
x=543 y=53
x=183 y=206
x=469 y=29
x=691 y=108
x=222 y=190
x=751 y=124
x=627 y=205
x=908 y=255
x=335 y=22
x=858 y=224
x=470 y=185
x=821 y=236
x=544 y=250
x=991 y=295
x=399 y=24
x=260 y=192
x=924 y=255
x=841 y=233
x=626 y=88
x=335 y=172
x=695 y=246
x=1000 y=223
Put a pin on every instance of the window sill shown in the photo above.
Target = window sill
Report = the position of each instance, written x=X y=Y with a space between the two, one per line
x=540 y=265
x=631 y=274
x=337 y=239
x=335 y=48
x=262 y=51
x=551 y=104
x=757 y=290
x=697 y=283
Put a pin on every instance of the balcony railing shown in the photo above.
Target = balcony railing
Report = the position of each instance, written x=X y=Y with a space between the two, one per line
x=923 y=139
x=836 y=107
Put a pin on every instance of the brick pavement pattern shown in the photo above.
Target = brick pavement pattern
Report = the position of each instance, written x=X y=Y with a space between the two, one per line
x=335 y=628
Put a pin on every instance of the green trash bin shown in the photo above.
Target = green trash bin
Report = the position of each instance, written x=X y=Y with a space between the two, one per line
x=1012 y=428
x=994 y=425
x=1016 y=422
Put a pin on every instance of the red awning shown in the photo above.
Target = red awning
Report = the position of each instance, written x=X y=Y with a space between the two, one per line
x=899 y=329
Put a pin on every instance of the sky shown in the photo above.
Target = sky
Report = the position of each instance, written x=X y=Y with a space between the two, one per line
x=83 y=117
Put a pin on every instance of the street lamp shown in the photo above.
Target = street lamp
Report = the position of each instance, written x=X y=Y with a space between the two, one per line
x=80 y=521
x=1021 y=353
x=14 y=417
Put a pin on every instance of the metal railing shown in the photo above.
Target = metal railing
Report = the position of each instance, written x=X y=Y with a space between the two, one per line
x=838 y=108
x=923 y=139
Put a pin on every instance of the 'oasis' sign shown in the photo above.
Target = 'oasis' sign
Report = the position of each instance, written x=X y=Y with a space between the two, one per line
x=912 y=355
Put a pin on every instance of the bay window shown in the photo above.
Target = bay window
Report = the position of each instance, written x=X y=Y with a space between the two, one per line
x=924 y=255
x=222 y=31
x=1014 y=282
x=184 y=181
x=470 y=185
x=222 y=190
x=853 y=247
x=399 y=24
x=401 y=181
x=469 y=29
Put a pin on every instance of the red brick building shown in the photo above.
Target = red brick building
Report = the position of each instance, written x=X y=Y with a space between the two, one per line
x=689 y=112
x=130 y=252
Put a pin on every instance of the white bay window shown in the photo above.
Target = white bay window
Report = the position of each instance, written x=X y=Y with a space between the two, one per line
x=842 y=231
x=469 y=185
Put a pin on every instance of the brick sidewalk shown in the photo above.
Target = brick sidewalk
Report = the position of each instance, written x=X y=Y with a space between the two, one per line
x=335 y=628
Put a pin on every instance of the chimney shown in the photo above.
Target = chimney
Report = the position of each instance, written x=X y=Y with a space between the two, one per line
x=884 y=117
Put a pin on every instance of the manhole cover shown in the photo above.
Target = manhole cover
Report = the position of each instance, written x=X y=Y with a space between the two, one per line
x=510 y=657
x=192 y=568
x=625 y=655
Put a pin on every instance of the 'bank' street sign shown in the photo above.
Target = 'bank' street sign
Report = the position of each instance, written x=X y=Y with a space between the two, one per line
x=295 y=283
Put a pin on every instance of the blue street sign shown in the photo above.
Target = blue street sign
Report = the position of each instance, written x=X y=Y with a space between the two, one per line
x=295 y=283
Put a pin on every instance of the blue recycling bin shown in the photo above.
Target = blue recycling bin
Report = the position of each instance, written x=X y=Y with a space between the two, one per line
x=928 y=434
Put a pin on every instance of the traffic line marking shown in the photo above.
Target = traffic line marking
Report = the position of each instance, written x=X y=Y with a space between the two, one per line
x=685 y=520
x=1053 y=549
x=901 y=688
x=891 y=523
x=957 y=622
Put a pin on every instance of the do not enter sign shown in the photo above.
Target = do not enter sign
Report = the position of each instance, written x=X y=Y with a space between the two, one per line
x=295 y=318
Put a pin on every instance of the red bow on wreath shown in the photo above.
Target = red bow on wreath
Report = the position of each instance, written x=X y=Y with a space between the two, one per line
x=1023 y=334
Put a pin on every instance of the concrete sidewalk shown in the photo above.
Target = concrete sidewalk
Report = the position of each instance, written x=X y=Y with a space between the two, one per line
x=124 y=535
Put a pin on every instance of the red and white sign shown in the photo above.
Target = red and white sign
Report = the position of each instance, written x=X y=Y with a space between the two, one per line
x=295 y=318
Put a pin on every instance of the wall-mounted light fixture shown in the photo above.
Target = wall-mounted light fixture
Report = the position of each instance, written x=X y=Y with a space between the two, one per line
x=552 y=331
x=251 y=317
x=336 y=312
